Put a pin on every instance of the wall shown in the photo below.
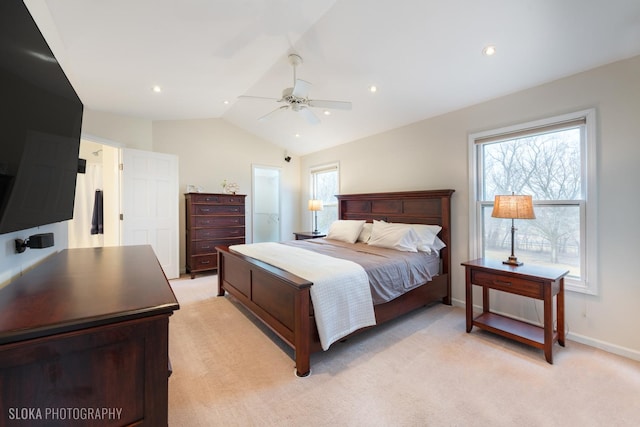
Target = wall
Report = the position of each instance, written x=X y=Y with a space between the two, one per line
x=212 y=150
x=433 y=154
x=124 y=131
x=13 y=264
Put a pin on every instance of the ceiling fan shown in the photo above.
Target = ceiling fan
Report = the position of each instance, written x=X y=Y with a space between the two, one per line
x=296 y=98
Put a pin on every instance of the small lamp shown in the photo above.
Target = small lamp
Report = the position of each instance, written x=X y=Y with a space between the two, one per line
x=315 y=206
x=514 y=207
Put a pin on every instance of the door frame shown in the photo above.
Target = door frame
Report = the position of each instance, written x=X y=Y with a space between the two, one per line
x=255 y=166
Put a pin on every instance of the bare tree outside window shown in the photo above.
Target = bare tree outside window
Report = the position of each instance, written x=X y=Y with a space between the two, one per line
x=546 y=166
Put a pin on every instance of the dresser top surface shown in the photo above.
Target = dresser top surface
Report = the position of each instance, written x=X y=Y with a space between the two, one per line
x=79 y=288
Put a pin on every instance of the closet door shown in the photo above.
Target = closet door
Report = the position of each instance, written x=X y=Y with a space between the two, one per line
x=150 y=202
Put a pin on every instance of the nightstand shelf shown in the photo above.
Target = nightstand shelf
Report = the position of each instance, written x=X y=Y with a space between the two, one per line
x=526 y=333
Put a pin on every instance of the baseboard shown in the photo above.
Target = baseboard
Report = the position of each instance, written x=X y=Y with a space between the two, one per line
x=592 y=342
x=606 y=346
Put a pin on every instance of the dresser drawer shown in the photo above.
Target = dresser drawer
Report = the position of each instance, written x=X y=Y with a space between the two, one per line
x=529 y=288
x=222 y=199
x=217 y=221
x=217 y=209
x=200 y=247
x=218 y=233
x=203 y=262
x=204 y=247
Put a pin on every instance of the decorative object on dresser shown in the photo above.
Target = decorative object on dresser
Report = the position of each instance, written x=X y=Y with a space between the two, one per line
x=282 y=300
x=531 y=281
x=212 y=219
x=304 y=235
x=315 y=206
x=513 y=207
x=88 y=328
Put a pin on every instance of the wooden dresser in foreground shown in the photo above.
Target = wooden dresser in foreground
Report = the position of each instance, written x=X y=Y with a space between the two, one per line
x=212 y=220
x=84 y=340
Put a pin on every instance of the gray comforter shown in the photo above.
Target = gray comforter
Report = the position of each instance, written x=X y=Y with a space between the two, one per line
x=391 y=272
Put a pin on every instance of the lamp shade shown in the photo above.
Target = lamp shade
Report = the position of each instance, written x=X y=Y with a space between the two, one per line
x=315 y=205
x=513 y=206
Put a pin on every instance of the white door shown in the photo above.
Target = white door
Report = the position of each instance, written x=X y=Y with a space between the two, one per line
x=150 y=205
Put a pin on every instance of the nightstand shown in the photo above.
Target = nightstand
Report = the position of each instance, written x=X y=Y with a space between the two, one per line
x=528 y=281
x=304 y=235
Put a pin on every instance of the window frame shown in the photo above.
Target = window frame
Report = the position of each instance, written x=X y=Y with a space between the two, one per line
x=588 y=283
x=326 y=167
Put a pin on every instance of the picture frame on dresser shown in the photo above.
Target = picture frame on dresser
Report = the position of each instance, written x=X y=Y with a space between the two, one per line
x=212 y=219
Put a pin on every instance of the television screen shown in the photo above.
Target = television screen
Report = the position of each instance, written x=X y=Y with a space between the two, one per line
x=40 y=124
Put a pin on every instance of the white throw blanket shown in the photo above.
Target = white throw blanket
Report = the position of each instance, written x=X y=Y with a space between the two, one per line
x=340 y=293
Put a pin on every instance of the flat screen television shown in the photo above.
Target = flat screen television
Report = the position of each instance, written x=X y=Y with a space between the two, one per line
x=40 y=125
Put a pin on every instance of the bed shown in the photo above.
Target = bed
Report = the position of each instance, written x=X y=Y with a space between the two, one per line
x=281 y=300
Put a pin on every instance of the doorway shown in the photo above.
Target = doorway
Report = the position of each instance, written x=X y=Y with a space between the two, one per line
x=266 y=204
x=101 y=175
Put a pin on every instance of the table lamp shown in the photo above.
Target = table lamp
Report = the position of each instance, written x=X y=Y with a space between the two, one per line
x=514 y=207
x=315 y=206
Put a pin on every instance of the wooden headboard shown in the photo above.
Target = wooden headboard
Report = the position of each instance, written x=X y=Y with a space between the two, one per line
x=411 y=207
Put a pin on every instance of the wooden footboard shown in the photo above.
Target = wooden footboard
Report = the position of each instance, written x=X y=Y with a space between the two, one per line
x=278 y=298
x=282 y=300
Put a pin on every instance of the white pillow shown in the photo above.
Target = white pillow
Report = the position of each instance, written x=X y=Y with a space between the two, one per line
x=394 y=236
x=345 y=230
x=427 y=235
x=365 y=234
x=434 y=247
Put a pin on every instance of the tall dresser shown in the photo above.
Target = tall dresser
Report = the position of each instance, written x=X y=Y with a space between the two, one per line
x=211 y=220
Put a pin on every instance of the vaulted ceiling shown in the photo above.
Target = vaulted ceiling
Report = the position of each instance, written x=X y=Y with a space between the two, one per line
x=424 y=56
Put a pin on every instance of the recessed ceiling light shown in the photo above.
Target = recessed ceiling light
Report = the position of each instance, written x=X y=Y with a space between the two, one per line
x=327 y=112
x=225 y=102
x=157 y=89
x=297 y=135
x=373 y=88
x=489 y=50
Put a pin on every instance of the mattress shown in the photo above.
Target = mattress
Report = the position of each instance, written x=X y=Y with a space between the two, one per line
x=391 y=272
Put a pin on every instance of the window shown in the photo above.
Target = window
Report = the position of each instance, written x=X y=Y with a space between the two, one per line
x=324 y=186
x=552 y=160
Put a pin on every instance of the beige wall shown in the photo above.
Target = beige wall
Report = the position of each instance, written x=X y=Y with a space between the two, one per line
x=433 y=154
x=212 y=150
x=124 y=131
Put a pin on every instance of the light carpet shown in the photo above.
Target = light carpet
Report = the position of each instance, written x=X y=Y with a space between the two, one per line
x=420 y=370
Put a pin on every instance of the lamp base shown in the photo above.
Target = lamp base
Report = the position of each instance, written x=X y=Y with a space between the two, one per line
x=512 y=261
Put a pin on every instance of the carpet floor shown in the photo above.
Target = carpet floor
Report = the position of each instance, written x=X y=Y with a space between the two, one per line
x=420 y=370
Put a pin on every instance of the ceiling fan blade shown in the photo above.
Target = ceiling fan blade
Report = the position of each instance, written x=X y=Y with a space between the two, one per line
x=273 y=113
x=309 y=116
x=301 y=89
x=338 y=105
x=258 y=97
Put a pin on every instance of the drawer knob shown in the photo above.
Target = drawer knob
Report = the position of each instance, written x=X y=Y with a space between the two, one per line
x=501 y=283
